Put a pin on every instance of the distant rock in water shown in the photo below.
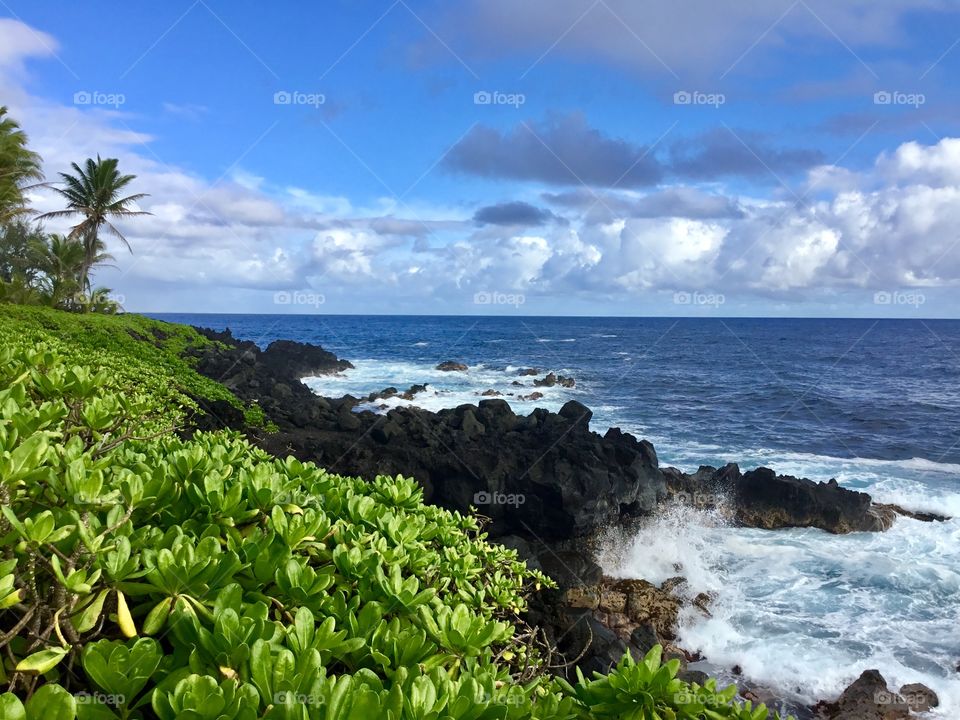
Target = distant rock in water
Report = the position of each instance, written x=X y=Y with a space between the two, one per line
x=390 y=392
x=452 y=366
x=552 y=379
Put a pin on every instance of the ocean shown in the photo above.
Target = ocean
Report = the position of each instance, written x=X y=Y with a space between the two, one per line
x=872 y=403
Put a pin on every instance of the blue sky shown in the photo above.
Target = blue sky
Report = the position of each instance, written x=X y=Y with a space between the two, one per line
x=556 y=157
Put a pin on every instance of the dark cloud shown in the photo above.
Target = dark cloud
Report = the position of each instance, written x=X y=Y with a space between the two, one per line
x=939 y=118
x=513 y=213
x=666 y=41
x=725 y=152
x=562 y=151
x=671 y=202
x=389 y=225
x=567 y=151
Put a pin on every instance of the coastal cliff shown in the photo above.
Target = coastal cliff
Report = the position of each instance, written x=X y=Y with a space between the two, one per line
x=547 y=483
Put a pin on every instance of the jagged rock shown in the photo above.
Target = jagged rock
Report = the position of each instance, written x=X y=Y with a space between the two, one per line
x=702 y=603
x=919 y=697
x=552 y=379
x=576 y=411
x=693 y=676
x=528 y=371
x=532 y=396
x=451 y=366
x=268 y=377
x=582 y=596
x=638 y=613
x=868 y=698
x=644 y=637
x=470 y=425
x=761 y=498
x=491 y=393
x=286 y=357
x=916 y=515
x=347 y=419
x=413 y=391
x=383 y=394
x=647 y=603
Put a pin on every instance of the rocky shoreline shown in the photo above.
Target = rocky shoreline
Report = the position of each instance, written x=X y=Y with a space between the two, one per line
x=549 y=486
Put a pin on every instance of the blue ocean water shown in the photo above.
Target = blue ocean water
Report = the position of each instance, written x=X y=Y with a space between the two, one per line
x=873 y=403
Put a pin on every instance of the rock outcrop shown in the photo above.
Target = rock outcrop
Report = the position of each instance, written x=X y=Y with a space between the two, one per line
x=451 y=366
x=761 y=498
x=268 y=377
x=544 y=475
x=551 y=379
x=592 y=619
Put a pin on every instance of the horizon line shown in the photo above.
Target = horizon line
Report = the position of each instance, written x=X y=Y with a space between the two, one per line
x=561 y=317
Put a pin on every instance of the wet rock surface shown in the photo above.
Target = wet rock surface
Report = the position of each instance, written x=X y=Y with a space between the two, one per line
x=762 y=499
x=452 y=366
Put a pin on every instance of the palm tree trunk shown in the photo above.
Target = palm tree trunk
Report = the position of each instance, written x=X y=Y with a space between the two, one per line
x=90 y=241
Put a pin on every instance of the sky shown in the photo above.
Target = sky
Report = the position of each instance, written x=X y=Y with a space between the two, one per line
x=554 y=157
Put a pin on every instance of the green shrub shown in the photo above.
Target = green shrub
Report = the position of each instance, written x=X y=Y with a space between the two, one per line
x=147 y=576
x=138 y=354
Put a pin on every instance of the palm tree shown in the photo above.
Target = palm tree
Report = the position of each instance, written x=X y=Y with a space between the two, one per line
x=94 y=193
x=100 y=301
x=60 y=260
x=18 y=166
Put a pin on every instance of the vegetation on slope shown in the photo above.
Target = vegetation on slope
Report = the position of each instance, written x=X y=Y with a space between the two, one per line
x=140 y=355
x=147 y=576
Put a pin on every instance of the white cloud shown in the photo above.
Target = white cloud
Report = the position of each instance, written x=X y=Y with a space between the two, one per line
x=19 y=42
x=935 y=165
